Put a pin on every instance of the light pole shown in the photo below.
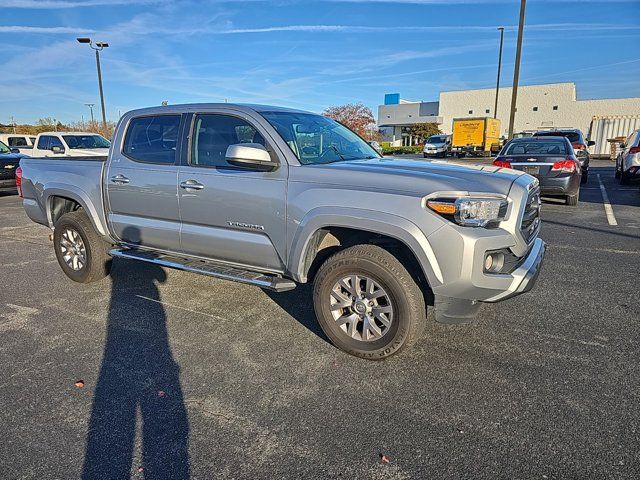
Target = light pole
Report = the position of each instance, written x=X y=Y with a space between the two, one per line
x=98 y=46
x=90 y=105
x=495 y=109
x=516 y=69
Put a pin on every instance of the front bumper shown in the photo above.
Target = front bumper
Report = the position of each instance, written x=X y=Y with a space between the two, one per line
x=525 y=276
x=451 y=310
x=434 y=152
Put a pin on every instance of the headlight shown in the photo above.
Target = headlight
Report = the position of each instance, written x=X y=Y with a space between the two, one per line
x=471 y=211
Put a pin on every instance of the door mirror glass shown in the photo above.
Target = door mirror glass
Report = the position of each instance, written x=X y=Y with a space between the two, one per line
x=250 y=155
x=57 y=149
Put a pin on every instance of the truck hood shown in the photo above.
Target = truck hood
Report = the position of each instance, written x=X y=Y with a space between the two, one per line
x=411 y=176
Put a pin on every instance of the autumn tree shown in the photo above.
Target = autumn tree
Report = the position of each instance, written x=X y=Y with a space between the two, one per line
x=424 y=130
x=356 y=116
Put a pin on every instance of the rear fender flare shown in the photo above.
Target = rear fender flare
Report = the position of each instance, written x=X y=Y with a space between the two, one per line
x=77 y=195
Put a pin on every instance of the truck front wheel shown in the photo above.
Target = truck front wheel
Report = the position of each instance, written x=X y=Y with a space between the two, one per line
x=367 y=303
x=81 y=252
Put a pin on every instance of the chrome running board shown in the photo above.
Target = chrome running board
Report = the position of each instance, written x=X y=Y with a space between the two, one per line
x=209 y=268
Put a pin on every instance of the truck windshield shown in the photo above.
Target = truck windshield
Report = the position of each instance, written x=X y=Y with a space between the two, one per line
x=86 y=141
x=315 y=139
x=436 y=139
x=4 y=148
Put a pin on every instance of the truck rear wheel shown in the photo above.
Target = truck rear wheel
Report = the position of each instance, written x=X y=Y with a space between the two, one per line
x=81 y=252
x=367 y=303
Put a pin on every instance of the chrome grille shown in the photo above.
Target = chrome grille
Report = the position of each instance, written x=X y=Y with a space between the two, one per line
x=530 y=223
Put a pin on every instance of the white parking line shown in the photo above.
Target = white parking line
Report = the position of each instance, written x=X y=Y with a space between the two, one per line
x=611 y=218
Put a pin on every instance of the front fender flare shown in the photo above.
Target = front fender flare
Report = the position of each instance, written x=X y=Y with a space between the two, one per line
x=387 y=224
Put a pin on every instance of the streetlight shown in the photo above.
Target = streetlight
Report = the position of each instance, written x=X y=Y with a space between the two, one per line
x=495 y=109
x=516 y=70
x=90 y=105
x=98 y=46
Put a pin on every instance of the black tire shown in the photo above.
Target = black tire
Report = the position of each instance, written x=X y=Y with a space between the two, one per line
x=404 y=294
x=424 y=155
x=624 y=179
x=572 y=200
x=585 y=177
x=617 y=174
x=97 y=263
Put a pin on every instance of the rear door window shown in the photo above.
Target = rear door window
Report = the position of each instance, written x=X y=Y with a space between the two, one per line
x=152 y=139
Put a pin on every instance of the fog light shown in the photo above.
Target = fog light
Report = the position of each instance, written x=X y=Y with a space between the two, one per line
x=488 y=262
x=493 y=262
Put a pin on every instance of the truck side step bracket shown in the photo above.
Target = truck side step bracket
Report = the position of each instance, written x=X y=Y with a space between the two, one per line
x=211 y=269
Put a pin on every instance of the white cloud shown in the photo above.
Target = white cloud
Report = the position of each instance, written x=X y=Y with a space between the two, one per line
x=435 y=28
x=27 y=29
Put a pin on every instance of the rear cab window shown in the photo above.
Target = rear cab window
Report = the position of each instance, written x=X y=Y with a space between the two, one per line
x=152 y=139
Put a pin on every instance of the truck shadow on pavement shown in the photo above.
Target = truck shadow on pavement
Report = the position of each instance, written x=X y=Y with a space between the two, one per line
x=298 y=303
x=138 y=374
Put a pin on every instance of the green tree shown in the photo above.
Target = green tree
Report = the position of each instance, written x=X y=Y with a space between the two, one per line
x=424 y=130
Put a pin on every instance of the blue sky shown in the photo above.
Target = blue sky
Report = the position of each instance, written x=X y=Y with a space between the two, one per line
x=304 y=54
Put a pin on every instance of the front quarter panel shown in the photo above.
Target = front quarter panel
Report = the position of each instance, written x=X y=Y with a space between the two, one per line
x=315 y=206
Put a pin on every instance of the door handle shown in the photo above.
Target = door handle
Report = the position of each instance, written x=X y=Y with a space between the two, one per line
x=191 y=185
x=119 y=179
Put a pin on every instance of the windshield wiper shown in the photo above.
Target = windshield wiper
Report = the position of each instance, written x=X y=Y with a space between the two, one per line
x=338 y=152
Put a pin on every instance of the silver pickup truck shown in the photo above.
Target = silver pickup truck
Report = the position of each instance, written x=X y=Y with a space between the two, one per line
x=275 y=197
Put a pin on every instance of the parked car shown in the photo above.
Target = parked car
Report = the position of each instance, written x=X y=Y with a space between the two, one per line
x=70 y=144
x=9 y=162
x=628 y=160
x=374 y=235
x=579 y=144
x=437 y=146
x=550 y=159
x=24 y=143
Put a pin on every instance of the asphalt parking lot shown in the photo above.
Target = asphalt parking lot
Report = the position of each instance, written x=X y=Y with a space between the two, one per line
x=196 y=377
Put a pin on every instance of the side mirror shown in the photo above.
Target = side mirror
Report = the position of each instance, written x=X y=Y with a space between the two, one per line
x=15 y=150
x=57 y=149
x=250 y=155
x=623 y=145
x=590 y=143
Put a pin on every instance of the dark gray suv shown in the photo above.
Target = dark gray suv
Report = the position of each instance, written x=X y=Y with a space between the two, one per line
x=579 y=144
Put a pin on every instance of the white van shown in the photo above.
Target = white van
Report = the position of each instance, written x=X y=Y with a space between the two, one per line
x=70 y=144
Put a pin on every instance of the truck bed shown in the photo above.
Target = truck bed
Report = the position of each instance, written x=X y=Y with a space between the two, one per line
x=75 y=178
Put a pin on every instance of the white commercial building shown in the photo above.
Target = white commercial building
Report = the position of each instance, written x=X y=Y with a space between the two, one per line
x=546 y=106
